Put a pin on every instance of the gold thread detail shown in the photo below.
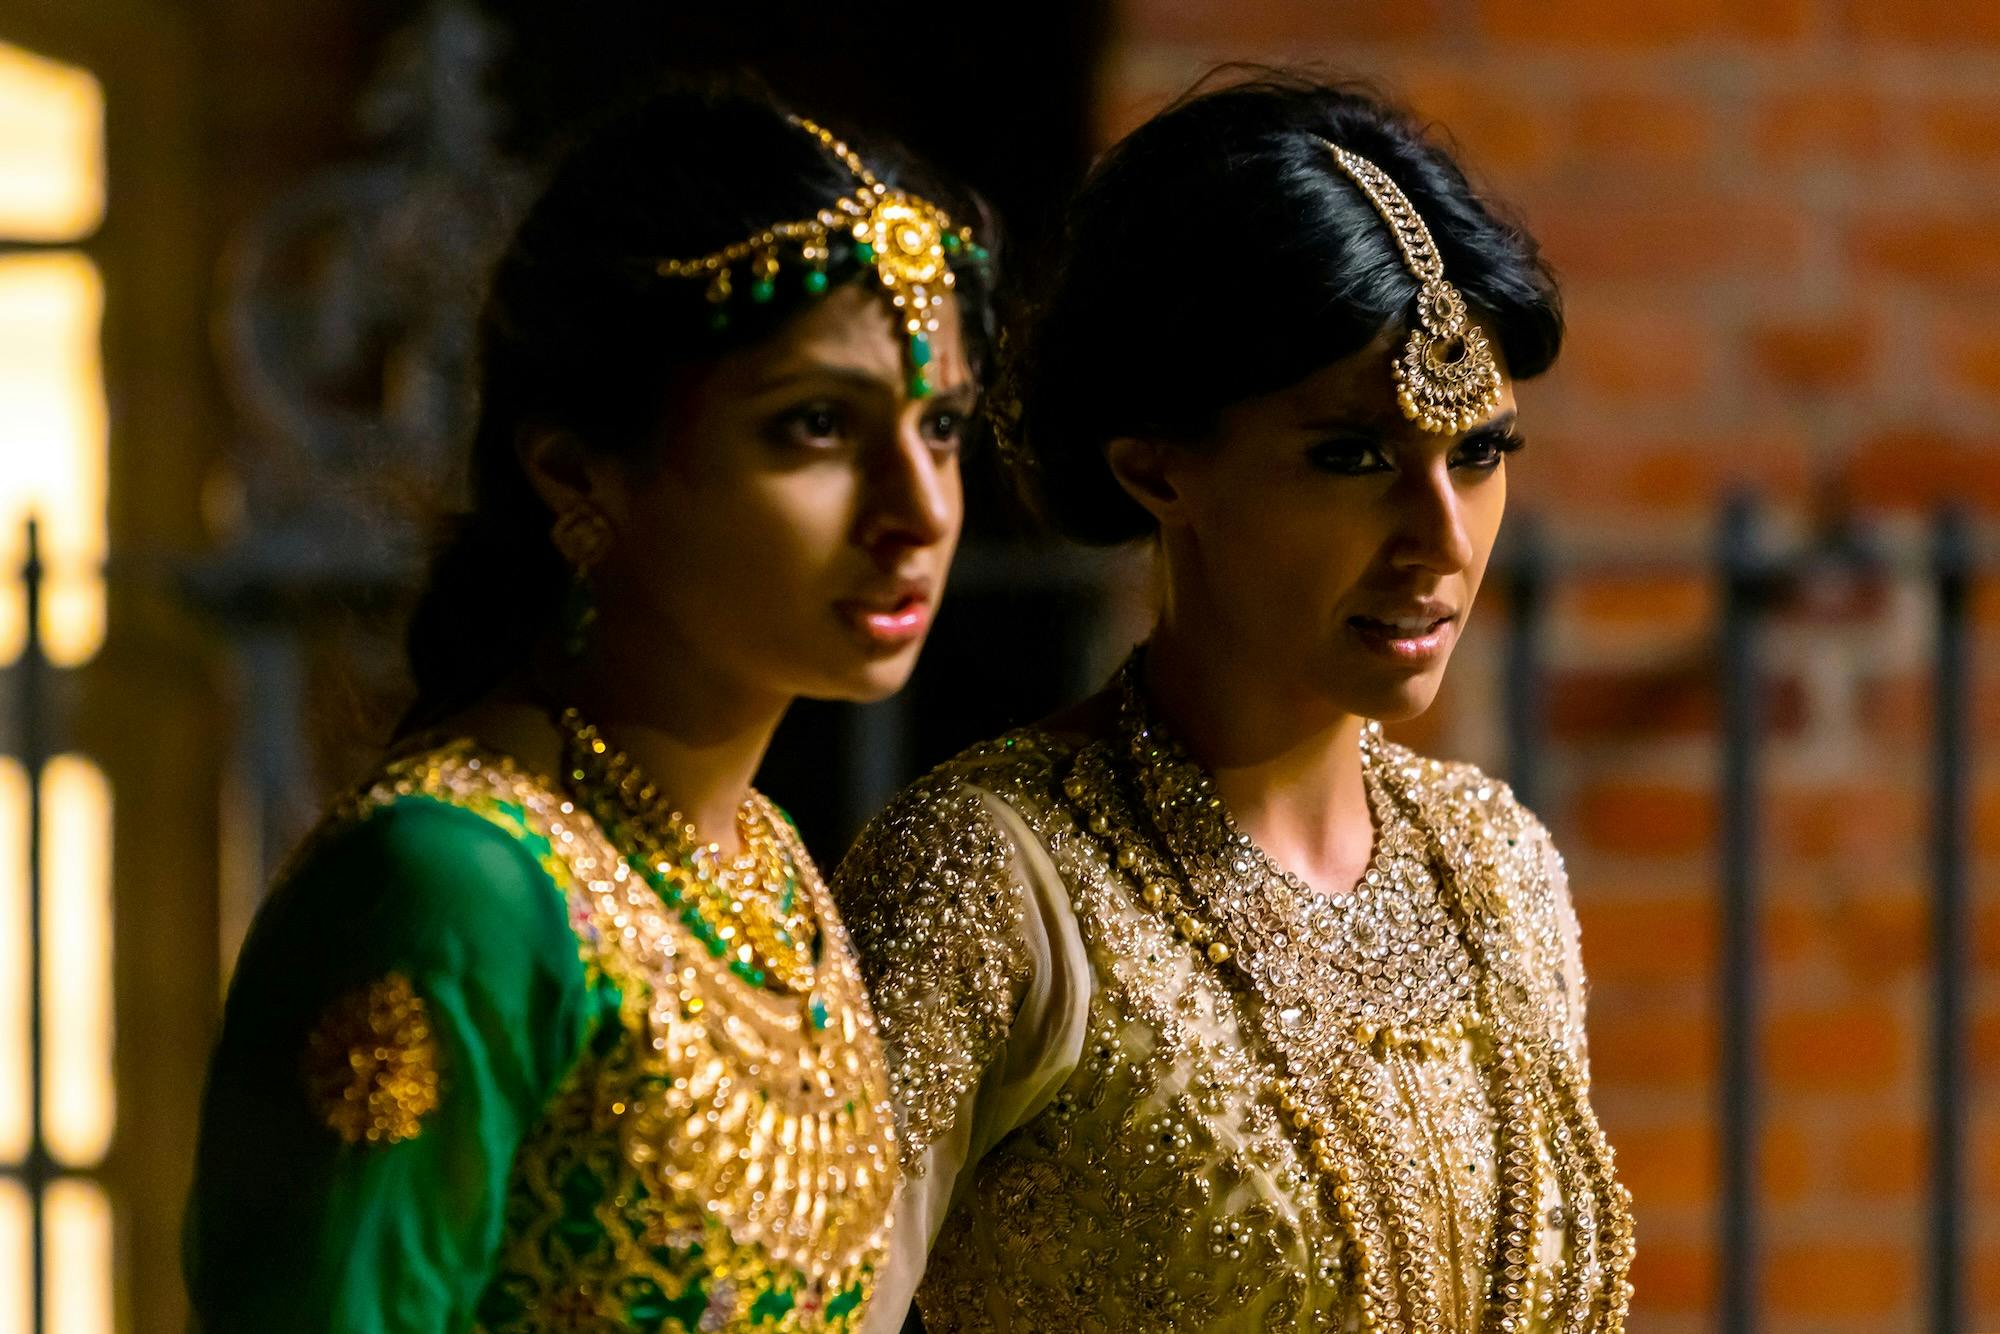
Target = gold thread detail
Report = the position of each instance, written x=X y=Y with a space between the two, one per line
x=370 y=1065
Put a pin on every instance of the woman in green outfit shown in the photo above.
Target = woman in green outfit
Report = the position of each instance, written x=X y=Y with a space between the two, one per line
x=551 y=1024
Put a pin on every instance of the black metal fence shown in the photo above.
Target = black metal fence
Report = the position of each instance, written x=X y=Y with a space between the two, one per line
x=30 y=747
x=1752 y=578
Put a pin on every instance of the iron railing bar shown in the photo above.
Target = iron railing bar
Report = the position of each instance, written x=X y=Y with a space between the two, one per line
x=31 y=739
x=1744 y=579
x=1950 y=933
x=1527 y=575
x=17 y=245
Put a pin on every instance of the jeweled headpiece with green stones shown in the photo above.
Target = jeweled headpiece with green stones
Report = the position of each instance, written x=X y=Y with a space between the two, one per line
x=910 y=241
x=1447 y=378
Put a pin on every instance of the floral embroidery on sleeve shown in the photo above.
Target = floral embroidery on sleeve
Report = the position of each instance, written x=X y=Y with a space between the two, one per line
x=370 y=1064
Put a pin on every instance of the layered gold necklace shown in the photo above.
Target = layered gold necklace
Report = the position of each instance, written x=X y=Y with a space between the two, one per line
x=1400 y=969
x=746 y=909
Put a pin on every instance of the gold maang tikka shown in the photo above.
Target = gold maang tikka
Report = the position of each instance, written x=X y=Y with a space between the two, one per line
x=909 y=240
x=1446 y=378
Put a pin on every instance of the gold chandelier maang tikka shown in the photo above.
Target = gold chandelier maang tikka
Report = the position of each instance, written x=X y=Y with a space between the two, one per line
x=1447 y=378
x=909 y=241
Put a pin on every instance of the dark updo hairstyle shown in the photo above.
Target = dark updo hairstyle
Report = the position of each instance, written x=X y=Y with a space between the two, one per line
x=579 y=333
x=1217 y=254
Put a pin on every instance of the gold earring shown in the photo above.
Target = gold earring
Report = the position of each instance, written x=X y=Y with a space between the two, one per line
x=581 y=536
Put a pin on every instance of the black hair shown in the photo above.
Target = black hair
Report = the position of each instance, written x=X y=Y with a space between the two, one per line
x=1217 y=254
x=580 y=333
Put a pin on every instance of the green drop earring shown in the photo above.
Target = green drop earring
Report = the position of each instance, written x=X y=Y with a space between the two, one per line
x=581 y=536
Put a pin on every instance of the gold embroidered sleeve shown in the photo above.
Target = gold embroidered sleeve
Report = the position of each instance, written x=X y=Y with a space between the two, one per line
x=1569 y=951
x=930 y=896
x=370 y=1064
x=1522 y=844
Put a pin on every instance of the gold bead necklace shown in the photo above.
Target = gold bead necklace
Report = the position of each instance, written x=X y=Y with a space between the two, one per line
x=747 y=908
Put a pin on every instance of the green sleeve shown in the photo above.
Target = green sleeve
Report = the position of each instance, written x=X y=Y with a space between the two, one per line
x=290 y=1225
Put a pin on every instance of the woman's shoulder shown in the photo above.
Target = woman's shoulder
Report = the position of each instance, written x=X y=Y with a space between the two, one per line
x=1479 y=823
x=980 y=803
x=1023 y=768
x=1505 y=868
x=1455 y=790
x=443 y=834
x=948 y=819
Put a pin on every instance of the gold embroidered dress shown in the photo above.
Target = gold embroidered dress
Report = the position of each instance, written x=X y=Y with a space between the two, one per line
x=491 y=1062
x=1149 y=1082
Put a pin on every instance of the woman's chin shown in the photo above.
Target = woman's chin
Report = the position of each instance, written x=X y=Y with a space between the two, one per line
x=864 y=682
x=1397 y=701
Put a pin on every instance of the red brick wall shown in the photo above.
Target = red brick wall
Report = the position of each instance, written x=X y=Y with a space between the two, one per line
x=1778 y=222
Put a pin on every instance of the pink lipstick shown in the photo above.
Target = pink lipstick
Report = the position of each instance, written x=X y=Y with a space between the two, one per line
x=1415 y=638
x=887 y=623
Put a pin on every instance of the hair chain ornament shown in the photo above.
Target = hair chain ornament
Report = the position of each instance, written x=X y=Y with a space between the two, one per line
x=909 y=241
x=1447 y=378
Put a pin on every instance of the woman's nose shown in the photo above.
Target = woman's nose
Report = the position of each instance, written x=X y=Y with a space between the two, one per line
x=912 y=499
x=1431 y=533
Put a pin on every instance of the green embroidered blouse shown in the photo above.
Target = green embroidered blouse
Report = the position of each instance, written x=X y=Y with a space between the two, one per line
x=475 y=1074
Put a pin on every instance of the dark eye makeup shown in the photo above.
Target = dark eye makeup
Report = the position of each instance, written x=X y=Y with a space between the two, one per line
x=944 y=424
x=1357 y=455
x=814 y=425
x=1349 y=456
x=1485 y=447
x=829 y=423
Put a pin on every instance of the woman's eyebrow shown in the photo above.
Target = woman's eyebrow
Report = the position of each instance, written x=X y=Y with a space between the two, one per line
x=1501 y=425
x=1352 y=425
x=848 y=376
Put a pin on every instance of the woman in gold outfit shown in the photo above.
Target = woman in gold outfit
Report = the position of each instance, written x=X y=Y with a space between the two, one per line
x=1207 y=1006
x=551 y=1025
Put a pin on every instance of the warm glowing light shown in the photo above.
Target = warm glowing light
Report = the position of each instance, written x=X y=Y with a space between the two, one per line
x=77 y=1110
x=14 y=1073
x=16 y=1260
x=51 y=149
x=78 y=1219
x=53 y=431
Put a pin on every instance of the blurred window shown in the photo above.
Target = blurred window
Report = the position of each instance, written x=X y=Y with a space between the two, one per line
x=53 y=460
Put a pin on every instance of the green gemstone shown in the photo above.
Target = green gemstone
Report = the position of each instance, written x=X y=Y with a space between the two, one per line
x=761 y=292
x=818 y=1013
x=952 y=243
x=919 y=386
x=816 y=281
x=649 y=1308
x=773 y=1306
x=920 y=348
x=981 y=254
x=844 y=1303
x=864 y=252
